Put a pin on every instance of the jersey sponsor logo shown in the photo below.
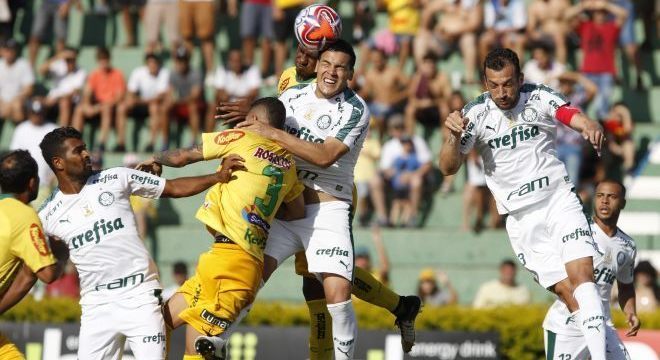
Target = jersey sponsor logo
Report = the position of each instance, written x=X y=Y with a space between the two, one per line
x=214 y=320
x=250 y=215
x=158 y=339
x=228 y=136
x=467 y=134
x=518 y=134
x=106 y=198
x=530 y=187
x=101 y=228
x=535 y=97
x=303 y=133
x=593 y=318
x=554 y=104
x=105 y=178
x=284 y=84
x=39 y=240
x=53 y=209
x=604 y=275
x=270 y=156
x=122 y=282
x=576 y=234
x=252 y=237
x=529 y=114
x=142 y=179
x=306 y=175
x=620 y=258
x=323 y=122
x=332 y=252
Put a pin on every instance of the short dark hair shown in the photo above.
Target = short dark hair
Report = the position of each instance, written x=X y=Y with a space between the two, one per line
x=344 y=46
x=102 y=52
x=180 y=267
x=613 y=181
x=508 y=262
x=151 y=56
x=16 y=169
x=51 y=145
x=430 y=57
x=274 y=108
x=499 y=58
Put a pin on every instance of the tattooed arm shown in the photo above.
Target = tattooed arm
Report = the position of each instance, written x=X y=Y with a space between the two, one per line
x=172 y=158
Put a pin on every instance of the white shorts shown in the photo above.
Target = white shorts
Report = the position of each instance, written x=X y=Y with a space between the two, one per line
x=547 y=235
x=104 y=329
x=568 y=347
x=324 y=234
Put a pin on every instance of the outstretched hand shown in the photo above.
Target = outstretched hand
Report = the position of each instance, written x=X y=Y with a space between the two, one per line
x=232 y=112
x=634 y=324
x=456 y=123
x=231 y=163
x=594 y=134
x=150 y=166
x=256 y=127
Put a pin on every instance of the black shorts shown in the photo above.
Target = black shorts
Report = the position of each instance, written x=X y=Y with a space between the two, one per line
x=284 y=29
x=139 y=112
x=428 y=117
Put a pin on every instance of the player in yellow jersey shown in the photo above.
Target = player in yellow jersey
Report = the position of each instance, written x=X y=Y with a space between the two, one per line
x=25 y=255
x=238 y=215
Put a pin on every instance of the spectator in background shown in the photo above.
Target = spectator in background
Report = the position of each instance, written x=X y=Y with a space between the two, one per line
x=104 y=91
x=233 y=82
x=503 y=291
x=428 y=95
x=504 y=22
x=257 y=23
x=68 y=83
x=363 y=258
x=628 y=41
x=647 y=289
x=161 y=14
x=414 y=181
x=147 y=89
x=546 y=24
x=366 y=170
x=197 y=19
x=27 y=136
x=67 y=285
x=55 y=12
x=598 y=40
x=185 y=99
x=475 y=193
x=459 y=22
x=403 y=20
x=8 y=19
x=127 y=9
x=284 y=18
x=179 y=276
x=542 y=67
x=401 y=173
x=435 y=289
x=16 y=84
x=619 y=152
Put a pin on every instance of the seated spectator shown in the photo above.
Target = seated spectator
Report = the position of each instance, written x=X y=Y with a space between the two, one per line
x=127 y=9
x=104 y=91
x=477 y=198
x=233 y=82
x=184 y=100
x=404 y=167
x=179 y=275
x=647 y=290
x=503 y=291
x=257 y=23
x=546 y=24
x=414 y=180
x=17 y=82
x=197 y=19
x=628 y=40
x=147 y=89
x=284 y=18
x=67 y=286
x=384 y=88
x=366 y=170
x=68 y=82
x=542 y=68
x=598 y=40
x=55 y=12
x=619 y=152
x=457 y=27
x=161 y=14
x=435 y=289
x=428 y=95
x=504 y=22
x=403 y=22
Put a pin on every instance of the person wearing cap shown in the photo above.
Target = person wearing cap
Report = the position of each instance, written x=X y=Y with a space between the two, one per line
x=104 y=90
x=503 y=291
x=68 y=82
x=17 y=82
x=184 y=99
x=435 y=288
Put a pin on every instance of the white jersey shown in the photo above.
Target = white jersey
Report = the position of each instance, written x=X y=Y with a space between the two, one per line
x=344 y=117
x=615 y=261
x=99 y=227
x=517 y=146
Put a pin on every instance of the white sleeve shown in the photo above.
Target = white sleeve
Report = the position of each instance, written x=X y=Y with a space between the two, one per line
x=163 y=81
x=489 y=15
x=219 y=78
x=519 y=15
x=141 y=183
x=551 y=100
x=134 y=81
x=422 y=150
x=387 y=155
x=253 y=78
x=469 y=136
x=16 y=138
x=28 y=76
x=356 y=126
x=626 y=273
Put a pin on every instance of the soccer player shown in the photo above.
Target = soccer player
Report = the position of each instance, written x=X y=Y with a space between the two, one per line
x=90 y=211
x=238 y=216
x=25 y=255
x=615 y=261
x=513 y=127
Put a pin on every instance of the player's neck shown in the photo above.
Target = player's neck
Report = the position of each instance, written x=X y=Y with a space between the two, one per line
x=608 y=227
x=70 y=186
x=23 y=197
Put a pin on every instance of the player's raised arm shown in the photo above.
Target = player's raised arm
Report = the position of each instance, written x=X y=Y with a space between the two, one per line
x=172 y=158
x=189 y=186
x=590 y=129
x=451 y=157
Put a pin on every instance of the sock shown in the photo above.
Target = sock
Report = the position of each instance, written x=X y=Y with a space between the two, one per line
x=321 y=346
x=344 y=329
x=366 y=287
x=193 y=357
x=591 y=319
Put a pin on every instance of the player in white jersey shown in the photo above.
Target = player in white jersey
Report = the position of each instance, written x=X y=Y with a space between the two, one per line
x=91 y=212
x=513 y=127
x=615 y=261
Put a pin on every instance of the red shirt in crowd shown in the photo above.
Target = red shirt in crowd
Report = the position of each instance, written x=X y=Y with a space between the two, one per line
x=66 y=286
x=106 y=85
x=598 y=43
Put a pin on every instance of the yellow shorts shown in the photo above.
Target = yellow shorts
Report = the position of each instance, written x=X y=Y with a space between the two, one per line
x=226 y=280
x=9 y=351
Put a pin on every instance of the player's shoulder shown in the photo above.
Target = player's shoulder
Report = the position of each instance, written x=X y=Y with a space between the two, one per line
x=356 y=102
x=15 y=209
x=541 y=90
x=480 y=103
x=293 y=92
x=50 y=201
x=626 y=240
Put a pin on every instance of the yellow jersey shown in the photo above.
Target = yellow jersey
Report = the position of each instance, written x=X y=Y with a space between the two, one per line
x=289 y=78
x=244 y=208
x=403 y=16
x=22 y=240
x=285 y=4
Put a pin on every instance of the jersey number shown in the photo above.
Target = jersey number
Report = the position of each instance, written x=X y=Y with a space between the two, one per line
x=272 y=191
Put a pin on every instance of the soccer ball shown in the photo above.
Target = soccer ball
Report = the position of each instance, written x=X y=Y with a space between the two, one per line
x=316 y=26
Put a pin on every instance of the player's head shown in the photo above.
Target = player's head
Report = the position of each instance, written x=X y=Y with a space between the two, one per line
x=362 y=258
x=378 y=58
x=153 y=63
x=508 y=272
x=306 y=62
x=66 y=153
x=609 y=200
x=268 y=110
x=335 y=68
x=503 y=77
x=542 y=52
x=19 y=174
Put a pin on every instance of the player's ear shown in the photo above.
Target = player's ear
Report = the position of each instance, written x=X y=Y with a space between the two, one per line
x=521 y=78
x=58 y=163
x=623 y=204
x=350 y=74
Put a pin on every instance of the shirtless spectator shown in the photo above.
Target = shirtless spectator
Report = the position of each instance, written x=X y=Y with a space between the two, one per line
x=16 y=84
x=428 y=95
x=542 y=68
x=68 y=83
x=104 y=90
x=505 y=22
x=384 y=88
x=457 y=26
x=545 y=23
